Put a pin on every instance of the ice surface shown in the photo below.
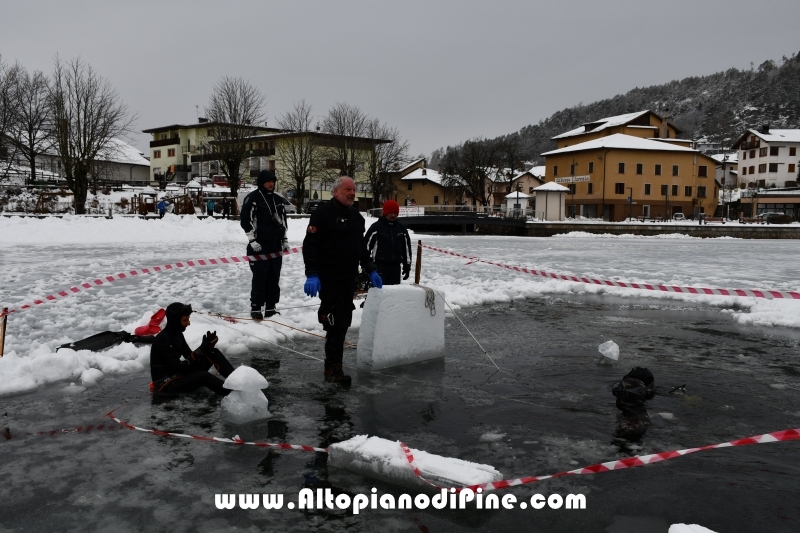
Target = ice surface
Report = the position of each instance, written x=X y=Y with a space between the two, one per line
x=397 y=328
x=688 y=528
x=242 y=406
x=610 y=350
x=246 y=378
x=384 y=459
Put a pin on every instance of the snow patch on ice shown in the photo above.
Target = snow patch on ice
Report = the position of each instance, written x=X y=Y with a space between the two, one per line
x=491 y=437
x=688 y=528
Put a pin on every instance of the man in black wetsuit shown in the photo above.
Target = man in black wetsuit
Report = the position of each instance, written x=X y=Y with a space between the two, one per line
x=264 y=221
x=332 y=249
x=172 y=375
x=389 y=245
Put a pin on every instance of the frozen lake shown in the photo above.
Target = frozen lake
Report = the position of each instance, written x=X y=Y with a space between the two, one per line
x=550 y=409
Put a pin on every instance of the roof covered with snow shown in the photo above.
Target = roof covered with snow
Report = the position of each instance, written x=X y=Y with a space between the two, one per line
x=774 y=136
x=518 y=195
x=118 y=151
x=620 y=141
x=429 y=174
x=732 y=157
x=551 y=186
x=603 y=123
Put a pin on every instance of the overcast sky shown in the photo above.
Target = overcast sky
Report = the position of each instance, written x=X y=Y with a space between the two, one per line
x=441 y=71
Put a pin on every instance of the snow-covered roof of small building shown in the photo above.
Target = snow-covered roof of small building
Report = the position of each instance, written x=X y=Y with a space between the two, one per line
x=773 y=136
x=732 y=157
x=148 y=190
x=193 y=185
x=516 y=195
x=621 y=141
x=429 y=174
x=551 y=186
x=409 y=164
x=601 y=124
x=118 y=151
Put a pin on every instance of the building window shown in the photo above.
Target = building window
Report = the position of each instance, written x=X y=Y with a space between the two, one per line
x=674 y=190
x=744 y=155
x=639 y=168
x=762 y=167
x=572 y=187
x=410 y=185
x=647 y=189
x=762 y=152
x=591 y=165
x=793 y=151
x=555 y=170
x=530 y=190
x=701 y=192
x=590 y=188
x=646 y=211
x=619 y=188
x=744 y=171
x=156 y=154
x=664 y=190
x=163 y=136
x=621 y=168
x=674 y=170
x=702 y=171
x=687 y=191
x=171 y=152
x=658 y=170
x=272 y=165
x=752 y=169
x=773 y=150
x=773 y=167
x=791 y=168
x=435 y=199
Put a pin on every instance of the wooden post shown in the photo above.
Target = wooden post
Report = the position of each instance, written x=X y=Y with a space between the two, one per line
x=3 y=323
x=418 y=269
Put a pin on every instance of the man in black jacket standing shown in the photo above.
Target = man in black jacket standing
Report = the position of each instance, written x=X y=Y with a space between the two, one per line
x=264 y=221
x=171 y=374
x=389 y=245
x=332 y=249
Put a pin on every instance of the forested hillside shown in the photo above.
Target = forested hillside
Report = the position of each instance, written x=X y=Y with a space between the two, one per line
x=714 y=108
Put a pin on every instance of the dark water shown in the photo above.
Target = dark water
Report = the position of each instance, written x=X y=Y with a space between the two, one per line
x=549 y=410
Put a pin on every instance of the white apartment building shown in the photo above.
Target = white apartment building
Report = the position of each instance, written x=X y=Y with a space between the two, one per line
x=768 y=158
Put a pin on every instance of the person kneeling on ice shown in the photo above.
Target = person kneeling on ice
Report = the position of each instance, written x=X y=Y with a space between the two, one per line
x=171 y=374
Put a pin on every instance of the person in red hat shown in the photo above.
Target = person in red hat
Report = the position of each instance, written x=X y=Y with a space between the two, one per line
x=389 y=245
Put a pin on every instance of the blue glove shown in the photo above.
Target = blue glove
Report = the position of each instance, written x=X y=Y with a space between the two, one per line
x=375 y=279
x=312 y=286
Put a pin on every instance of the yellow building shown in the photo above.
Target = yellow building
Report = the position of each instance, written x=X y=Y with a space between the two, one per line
x=642 y=124
x=661 y=178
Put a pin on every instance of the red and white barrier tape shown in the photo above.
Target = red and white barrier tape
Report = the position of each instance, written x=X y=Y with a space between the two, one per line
x=620 y=464
x=752 y=293
x=91 y=284
x=234 y=440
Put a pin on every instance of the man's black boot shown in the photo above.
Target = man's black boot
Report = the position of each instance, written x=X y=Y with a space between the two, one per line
x=255 y=312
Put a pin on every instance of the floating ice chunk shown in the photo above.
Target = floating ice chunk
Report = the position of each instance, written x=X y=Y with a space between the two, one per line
x=246 y=378
x=688 y=528
x=491 y=437
x=242 y=406
x=91 y=376
x=246 y=402
x=72 y=388
x=384 y=459
x=667 y=416
x=397 y=328
x=610 y=351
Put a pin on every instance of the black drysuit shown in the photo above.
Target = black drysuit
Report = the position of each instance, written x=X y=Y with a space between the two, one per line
x=390 y=247
x=172 y=375
x=263 y=219
x=332 y=249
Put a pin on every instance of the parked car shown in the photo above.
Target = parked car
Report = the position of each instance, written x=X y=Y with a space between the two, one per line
x=678 y=216
x=773 y=217
x=313 y=205
x=219 y=181
x=290 y=209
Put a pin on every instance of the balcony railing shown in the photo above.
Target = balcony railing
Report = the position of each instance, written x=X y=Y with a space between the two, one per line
x=750 y=145
x=165 y=142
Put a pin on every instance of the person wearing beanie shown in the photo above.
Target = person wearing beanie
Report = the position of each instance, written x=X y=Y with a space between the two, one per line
x=175 y=368
x=263 y=219
x=389 y=245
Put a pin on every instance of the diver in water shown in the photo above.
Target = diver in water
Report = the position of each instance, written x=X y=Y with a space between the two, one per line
x=175 y=368
x=636 y=387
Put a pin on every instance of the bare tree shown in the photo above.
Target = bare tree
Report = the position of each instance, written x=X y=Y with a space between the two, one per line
x=348 y=123
x=32 y=133
x=235 y=109
x=300 y=155
x=88 y=114
x=469 y=166
x=9 y=76
x=383 y=157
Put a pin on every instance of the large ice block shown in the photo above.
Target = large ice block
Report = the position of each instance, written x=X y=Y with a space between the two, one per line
x=384 y=459
x=246 y=402
x=397 y=328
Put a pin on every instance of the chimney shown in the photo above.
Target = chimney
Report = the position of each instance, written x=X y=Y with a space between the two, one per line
x=247 y=121
x=665 y=124
x=424 y=171
x=765 y=128
x=202 y=120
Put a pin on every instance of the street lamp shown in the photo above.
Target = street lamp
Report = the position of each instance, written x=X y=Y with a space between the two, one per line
x=630 y=203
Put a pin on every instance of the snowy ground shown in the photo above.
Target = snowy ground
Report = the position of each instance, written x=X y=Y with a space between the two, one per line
x=42 y=256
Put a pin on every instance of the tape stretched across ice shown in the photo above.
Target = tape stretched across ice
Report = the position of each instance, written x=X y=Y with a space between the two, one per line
x=384 y=459
x=397 y=329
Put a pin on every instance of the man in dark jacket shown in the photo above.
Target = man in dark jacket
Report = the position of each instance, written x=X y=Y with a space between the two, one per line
x=333 y=247
x=171 y=374
x=264 y=221
x=389 y=245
